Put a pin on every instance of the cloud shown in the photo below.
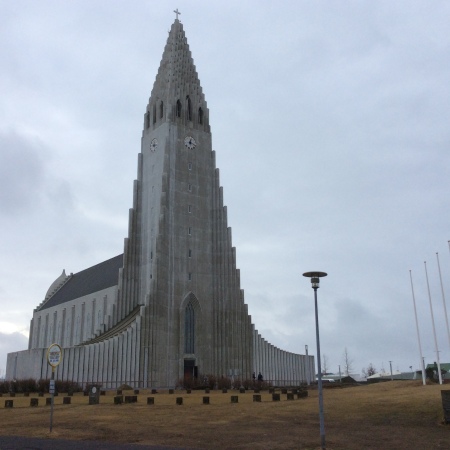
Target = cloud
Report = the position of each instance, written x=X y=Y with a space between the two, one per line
x=22 y=172
x=331 y=131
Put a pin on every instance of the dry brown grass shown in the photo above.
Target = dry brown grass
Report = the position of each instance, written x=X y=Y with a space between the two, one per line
x=390 y=416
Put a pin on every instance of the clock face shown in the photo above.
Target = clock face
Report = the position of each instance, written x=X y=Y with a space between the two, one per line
x=189 y=142
x=153 y=145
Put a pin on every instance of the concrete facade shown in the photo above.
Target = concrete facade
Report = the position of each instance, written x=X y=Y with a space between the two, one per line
x=177 y=307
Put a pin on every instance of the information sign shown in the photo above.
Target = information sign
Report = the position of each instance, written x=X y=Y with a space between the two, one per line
x=54 y=355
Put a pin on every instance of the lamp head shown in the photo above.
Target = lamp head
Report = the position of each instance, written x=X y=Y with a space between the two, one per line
x=315 y=278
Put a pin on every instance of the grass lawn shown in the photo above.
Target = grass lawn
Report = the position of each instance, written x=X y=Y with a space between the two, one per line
x=394 y=415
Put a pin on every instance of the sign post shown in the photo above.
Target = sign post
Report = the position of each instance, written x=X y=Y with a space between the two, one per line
x=54 y=357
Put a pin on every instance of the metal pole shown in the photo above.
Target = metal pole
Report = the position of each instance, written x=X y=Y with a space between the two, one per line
x=53 y=399
x=417 y=329
x=434 y=328
x=322 y=424
x=443 y=298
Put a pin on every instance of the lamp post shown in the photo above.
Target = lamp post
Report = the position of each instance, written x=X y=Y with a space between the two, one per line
x=315 y=278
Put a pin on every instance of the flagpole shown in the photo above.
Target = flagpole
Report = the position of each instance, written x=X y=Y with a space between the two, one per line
x=434 y=328
x=443 y=298
x=417 y=329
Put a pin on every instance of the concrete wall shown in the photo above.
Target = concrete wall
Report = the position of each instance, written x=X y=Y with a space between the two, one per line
x=279 y=367
x=73 y=322
x=110 y=363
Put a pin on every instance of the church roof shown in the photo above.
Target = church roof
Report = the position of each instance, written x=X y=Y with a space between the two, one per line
x=88 y=281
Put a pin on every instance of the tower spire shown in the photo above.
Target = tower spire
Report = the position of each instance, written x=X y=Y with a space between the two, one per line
x=177 y=95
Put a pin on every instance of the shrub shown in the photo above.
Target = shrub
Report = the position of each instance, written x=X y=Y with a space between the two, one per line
x=67 y=386
x=43 y=385
x=248 y=384
x=4 y=386
x=212 y=381
x=26 y=385
x=224 y=383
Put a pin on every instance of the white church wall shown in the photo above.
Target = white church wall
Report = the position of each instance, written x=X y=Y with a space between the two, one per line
x=279 y=367
x=72 y=322
x=25 y=364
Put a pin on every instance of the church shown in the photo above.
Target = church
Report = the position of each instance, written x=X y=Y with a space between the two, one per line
x=171 y=305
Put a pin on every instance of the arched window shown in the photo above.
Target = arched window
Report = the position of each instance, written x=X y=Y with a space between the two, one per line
x=188 y=108
x=161 y=110
x=200 y=115
x=189 y=329
x=178 y=112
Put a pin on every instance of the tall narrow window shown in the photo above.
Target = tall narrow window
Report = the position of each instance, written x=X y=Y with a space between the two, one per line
x=188 y=108
x=189 y=329
x=189 y=208
x=189 y=231
x=77 y=330
x=190 y=166
x=190 y=187
x=147 y=120
x=161 y=110
x=200 y=115
x=154 y=113
x=178 y=112
x=190 y=253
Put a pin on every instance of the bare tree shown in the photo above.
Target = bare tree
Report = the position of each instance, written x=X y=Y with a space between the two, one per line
x=348 y=367
x=369 y=370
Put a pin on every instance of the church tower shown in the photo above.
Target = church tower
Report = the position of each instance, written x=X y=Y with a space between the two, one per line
x=179 y=262
x=171 y=306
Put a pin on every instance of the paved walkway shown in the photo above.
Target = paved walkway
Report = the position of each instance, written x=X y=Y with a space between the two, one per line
x=25 y=443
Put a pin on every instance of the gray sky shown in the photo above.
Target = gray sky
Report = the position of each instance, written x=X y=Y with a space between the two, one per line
x=331 y=124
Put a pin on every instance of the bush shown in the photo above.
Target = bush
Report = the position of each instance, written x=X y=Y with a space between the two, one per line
x=223 y=383
x=27 y=385
x=67 y=386
x=236 y=383
x=211 y=381
x=43 y=385
x=4 y=387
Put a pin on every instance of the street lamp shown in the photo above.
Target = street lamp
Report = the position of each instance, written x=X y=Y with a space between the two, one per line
x=315 y=278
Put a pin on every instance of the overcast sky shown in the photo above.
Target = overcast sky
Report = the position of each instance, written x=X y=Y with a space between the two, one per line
x=331 y=124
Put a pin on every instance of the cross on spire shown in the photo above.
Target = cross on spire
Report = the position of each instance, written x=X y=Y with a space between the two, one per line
x=177 y=13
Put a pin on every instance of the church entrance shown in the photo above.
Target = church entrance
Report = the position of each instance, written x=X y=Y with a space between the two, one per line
x=190 y=369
